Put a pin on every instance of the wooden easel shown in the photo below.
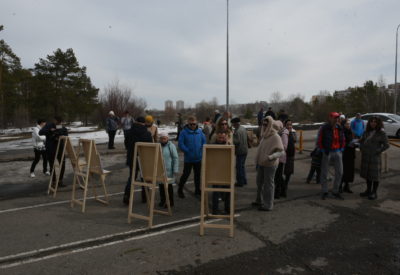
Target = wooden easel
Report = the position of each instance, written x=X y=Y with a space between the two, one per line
x=57 y=166
x=76 y=163
x=151 y=164
x=217 y=168
x=93 y=166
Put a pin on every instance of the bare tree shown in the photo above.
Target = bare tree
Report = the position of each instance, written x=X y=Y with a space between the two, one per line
x=119 y=98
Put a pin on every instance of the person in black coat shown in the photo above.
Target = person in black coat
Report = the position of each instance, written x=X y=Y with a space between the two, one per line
x=270 y=113
x=53 y=131
x=137 y=133
x=349 y=156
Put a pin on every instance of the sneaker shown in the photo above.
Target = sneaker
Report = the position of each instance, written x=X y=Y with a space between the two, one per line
x=324 y=196
x=32 y=175
x=47 y=173
x=337 y=196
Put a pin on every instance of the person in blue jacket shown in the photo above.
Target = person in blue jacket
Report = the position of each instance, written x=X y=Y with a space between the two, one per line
x=357 y=126
x=191 y=141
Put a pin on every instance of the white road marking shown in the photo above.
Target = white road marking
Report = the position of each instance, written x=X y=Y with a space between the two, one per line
x=61 y=202
x=78 y=250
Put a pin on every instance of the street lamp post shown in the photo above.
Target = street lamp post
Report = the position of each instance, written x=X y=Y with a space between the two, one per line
x=227 y=55
x=395 y=73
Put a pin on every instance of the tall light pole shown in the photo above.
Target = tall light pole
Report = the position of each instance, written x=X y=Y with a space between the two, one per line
x=395 y=73
x=227 y=55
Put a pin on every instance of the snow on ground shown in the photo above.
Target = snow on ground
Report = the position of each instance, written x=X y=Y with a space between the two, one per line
x=99 y=136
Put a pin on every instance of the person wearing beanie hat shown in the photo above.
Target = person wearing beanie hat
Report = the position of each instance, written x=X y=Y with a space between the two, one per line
x=151 y=127
x=241 y=150
x=171 y=162
x=112 y=124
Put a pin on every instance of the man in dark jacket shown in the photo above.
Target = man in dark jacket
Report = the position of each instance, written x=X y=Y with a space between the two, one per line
x=52 y=131
x=191 y=141
x=331 y=142
x=270 y=113
x=137 y=133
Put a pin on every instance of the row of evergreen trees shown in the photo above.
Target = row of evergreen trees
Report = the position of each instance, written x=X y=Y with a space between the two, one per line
x=57 y=85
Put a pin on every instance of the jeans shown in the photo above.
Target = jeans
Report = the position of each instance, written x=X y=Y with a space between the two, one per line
x=266 y=186
x=338 y=165
x=187 y=168
x=111 y=136
x=240 y=169
x=39 y=153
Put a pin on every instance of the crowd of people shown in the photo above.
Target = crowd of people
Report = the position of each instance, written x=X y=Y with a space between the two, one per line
x=335 y=146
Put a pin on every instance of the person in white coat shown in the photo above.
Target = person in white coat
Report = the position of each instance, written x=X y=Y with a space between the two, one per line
x=39 y=148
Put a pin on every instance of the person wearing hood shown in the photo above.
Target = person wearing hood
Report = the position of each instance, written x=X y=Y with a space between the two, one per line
x=112 y=124
x=357 y=126
x=39 y=148
x=279 y=181
x=171 y=162
x=269 y=151
x=126 y=124
x=221 y=126
x=137 y=133
x=191 y=141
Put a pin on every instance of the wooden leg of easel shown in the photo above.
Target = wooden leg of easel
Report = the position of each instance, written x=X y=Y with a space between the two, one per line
x=130 y=210
x=73 y=191
x=152 y=196
x=50 y=181
x=206 y=206
x=146 y=192
x=85 y=193
x=103 y=179
x=56 y=184
x=203 y=193
x=232 y=212
x=167 y=200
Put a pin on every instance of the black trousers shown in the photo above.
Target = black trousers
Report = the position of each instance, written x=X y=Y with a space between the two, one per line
x=187 y=168
x=279 y=181
x=314 y=169
x=111 y=136
x=38 y=154
x=51 y=157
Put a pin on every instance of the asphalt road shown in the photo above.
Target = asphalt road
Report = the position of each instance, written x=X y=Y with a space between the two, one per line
x=302 y=235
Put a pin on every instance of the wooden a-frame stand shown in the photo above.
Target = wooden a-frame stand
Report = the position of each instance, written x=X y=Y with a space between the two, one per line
x=77 y=165
x=93 y=166
x=151 y=165
x=217 y=169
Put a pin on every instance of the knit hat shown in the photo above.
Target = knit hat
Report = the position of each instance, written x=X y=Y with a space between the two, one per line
x=334 y=114
x=140 y=119
x=111 y=113
x=163 y=134
x=235 y=120
x=149 y=119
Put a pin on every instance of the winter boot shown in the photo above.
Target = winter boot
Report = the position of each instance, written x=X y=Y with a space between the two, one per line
x=347 y=188
x=341 y=187
x=368 y=191
x=373 y=195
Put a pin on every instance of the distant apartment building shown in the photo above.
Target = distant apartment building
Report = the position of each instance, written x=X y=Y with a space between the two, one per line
x=180 y=105
x=343 y=93
x=169 y=105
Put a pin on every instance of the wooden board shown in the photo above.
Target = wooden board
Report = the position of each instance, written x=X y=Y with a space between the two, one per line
x=151 y=165
x=218 y=168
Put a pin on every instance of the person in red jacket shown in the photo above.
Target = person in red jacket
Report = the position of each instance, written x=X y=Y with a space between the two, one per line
x=331 y=142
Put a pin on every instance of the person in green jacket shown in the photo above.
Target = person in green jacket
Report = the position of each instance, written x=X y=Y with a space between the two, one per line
x=241 y=149
x=171 y=161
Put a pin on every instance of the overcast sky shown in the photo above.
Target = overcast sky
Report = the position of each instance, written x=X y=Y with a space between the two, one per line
x=176 y=49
